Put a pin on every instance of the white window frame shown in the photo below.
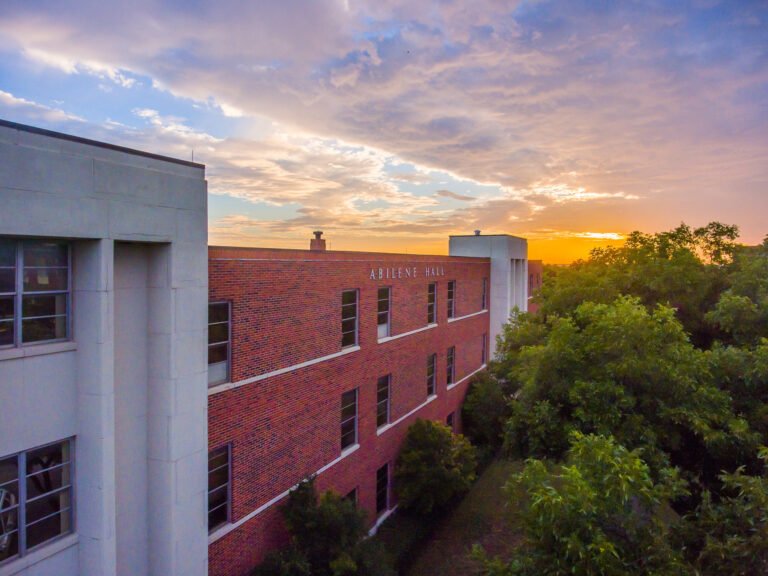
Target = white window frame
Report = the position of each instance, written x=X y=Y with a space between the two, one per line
x=386 y=402
x=450 y=360
x=451 y=298
x=387 y=489
x=431 y=378
x=432 y=306
x=20 y=506
x=19 y=294
x=227 y=484
x=484 y=299
x=384 y=328
x=356 y=318
x=352 y=418
x=228 y=342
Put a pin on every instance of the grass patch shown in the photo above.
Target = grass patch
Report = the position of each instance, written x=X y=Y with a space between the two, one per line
x=483 y=517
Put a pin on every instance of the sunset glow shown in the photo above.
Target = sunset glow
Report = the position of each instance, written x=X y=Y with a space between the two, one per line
x=391 y=124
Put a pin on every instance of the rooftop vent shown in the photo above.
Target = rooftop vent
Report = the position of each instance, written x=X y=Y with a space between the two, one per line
x=477 y=232
x=318 y=242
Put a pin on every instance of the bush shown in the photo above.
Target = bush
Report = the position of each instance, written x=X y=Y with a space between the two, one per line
x=597 y=515
x=326 y=539
x=434 y=467
x=484 y=413
x=730 y=536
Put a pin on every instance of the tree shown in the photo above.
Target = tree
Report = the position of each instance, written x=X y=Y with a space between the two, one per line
x=597 y=514
x=729 y=534
x=484 y=412
x=619 y=369
x=326 y=539
x=434 y=466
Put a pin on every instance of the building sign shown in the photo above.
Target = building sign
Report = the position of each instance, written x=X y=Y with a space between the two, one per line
x=407 y=272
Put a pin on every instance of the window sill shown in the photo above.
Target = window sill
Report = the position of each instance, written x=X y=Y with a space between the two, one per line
x=349 y=449
x=404 y=334
x=46 y=551
x=37 y=350
x=391 y=425
x=457 y=318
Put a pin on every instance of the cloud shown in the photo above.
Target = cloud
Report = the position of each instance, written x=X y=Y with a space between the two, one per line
x=632 y=113
x=449 y=194
x=34 y=111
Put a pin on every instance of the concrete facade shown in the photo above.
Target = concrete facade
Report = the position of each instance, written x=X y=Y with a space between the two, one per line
x=127 y=387
x=509 y=273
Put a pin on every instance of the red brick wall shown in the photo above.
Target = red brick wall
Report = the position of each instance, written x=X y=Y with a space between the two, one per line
x=535 y=273
x=286 y=309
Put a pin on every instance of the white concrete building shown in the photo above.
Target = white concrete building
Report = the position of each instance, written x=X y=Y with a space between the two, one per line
x=509 y=273
x=103 y=390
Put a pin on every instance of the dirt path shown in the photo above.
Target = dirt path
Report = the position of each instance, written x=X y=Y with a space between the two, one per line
x=482 y=518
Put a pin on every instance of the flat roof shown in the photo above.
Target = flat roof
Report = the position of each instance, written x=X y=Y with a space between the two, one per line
x=97 y=143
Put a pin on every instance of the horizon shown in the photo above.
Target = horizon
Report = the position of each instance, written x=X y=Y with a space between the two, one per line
x=392 y=125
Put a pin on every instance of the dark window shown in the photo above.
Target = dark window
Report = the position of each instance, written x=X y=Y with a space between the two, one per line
x=219 y=491
x=431 y=302
x=484 y=352
x=451 y=300
x=348 y=318
x=382 y=489
x=218 y=342
x=382 y=400
x=450 y=369
x=484 y=299
x=351 y=495
x=348 y=418
x=449 y=421
x=383 y=318
x=35 y=498
x=34 y=291
x=431 y=363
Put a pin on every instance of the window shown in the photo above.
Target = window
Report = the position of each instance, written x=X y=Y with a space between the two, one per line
x=35 y=498
x=382 y=401
x=348 y=418
x=484 y=351
x=431 y=302
x=484 y=298
x=382 y=489
x=218 y=342
x=451 y=300
x=383 y=312
x=450 y=373
x=219 y=492
x=34 y=291
x=431 y=362
x=352 y=495
x=348 y=318
x=449 y=421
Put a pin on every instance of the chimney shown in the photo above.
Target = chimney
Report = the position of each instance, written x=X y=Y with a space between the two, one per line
x=477 y=232
x=317 y=243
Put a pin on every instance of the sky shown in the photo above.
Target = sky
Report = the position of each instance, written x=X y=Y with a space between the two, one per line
x=391 y=124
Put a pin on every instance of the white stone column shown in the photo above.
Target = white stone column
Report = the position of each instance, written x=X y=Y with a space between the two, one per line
x=93 y=304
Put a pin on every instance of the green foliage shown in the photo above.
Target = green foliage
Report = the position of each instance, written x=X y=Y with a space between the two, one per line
x=326 y=539
x=484 y=412
x=597 y=514
x=622 y=370
x=730 y=535
x=288 y=562
x=434 y=466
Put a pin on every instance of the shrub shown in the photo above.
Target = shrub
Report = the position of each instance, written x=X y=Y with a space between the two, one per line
x=322 y=529
x=598 y=514
x=484 y=413
x=434 y=467
x=730 y=536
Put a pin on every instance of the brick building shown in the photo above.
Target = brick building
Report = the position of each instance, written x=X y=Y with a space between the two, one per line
x=319 y=362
